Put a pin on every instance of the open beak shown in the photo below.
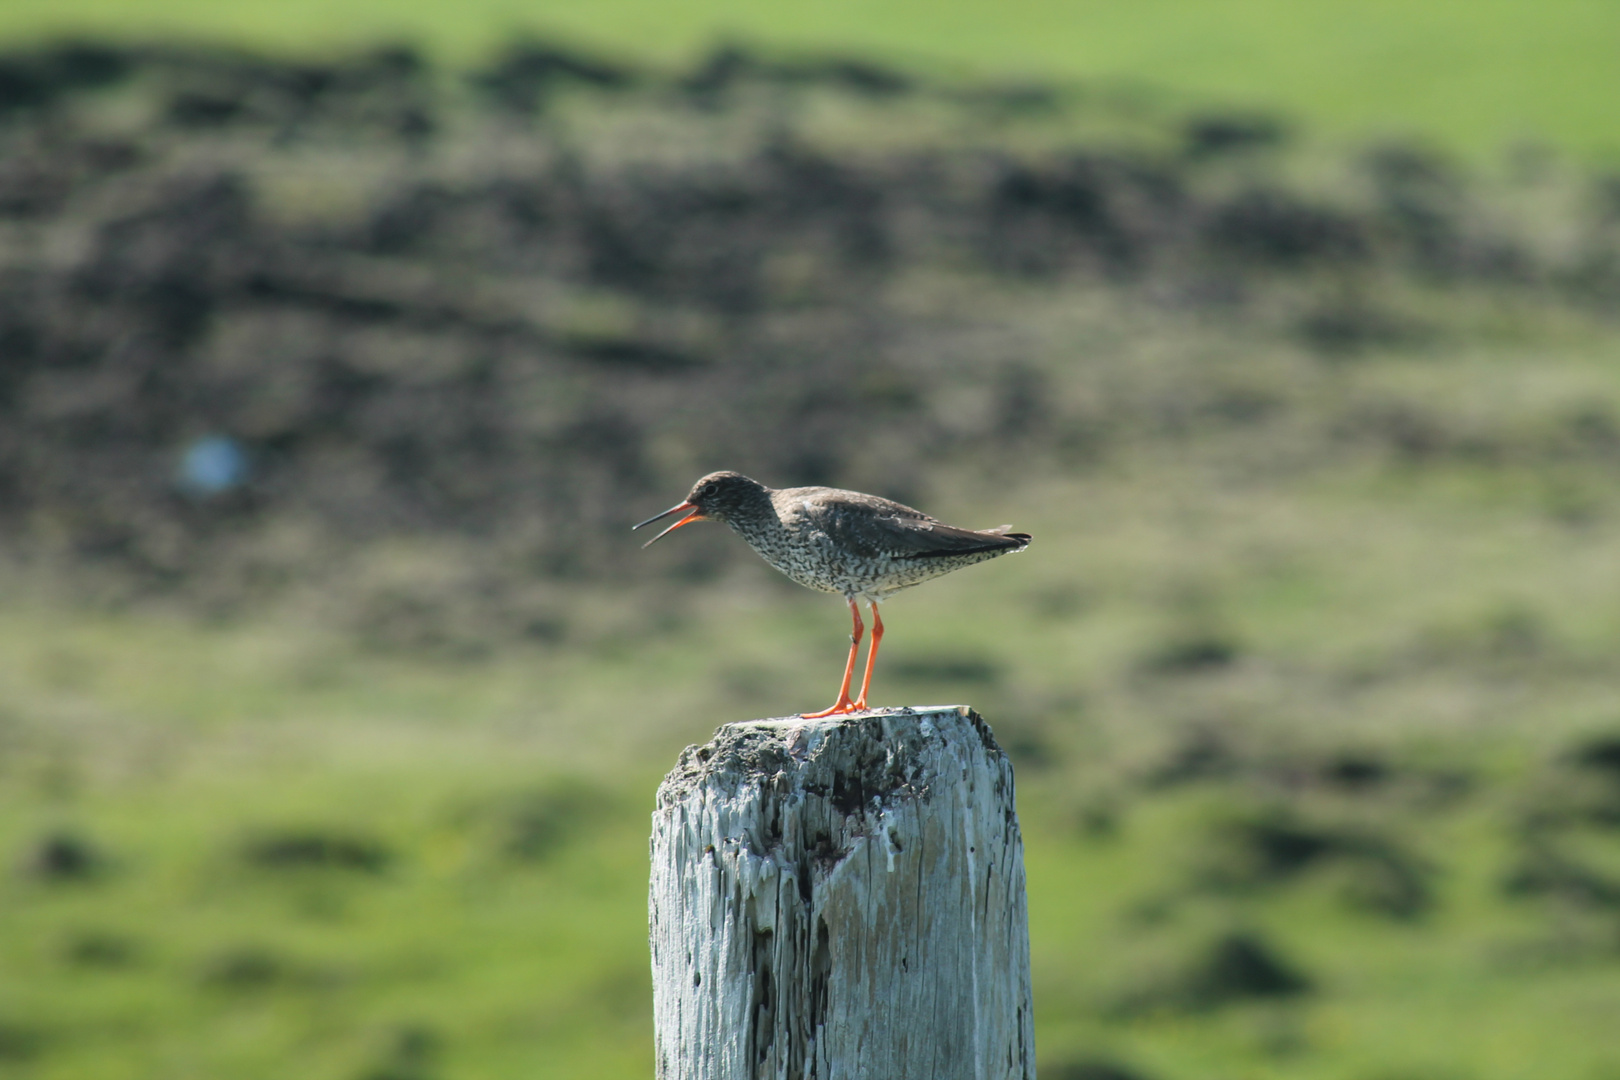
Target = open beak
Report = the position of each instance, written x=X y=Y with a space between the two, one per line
x=695 y=515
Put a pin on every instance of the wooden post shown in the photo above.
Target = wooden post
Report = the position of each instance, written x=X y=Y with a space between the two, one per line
x=841 y=899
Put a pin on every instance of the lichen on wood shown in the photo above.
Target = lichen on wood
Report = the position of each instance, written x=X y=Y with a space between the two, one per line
x=841 y=898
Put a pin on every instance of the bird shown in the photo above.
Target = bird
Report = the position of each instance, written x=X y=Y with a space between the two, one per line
x=846 y=542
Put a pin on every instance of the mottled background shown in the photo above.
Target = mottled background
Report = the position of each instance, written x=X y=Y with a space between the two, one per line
x=341 y=343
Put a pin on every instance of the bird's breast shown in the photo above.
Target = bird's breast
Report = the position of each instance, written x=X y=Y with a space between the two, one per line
x=804 y=554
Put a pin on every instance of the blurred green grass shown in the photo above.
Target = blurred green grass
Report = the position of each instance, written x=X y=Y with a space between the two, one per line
x=253 y=846
x=1473 y=77
x=459 y=889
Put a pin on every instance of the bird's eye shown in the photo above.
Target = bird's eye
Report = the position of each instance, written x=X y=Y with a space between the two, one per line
x=708 y=490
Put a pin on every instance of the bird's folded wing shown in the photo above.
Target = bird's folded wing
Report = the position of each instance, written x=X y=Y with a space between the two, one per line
x=872 y=528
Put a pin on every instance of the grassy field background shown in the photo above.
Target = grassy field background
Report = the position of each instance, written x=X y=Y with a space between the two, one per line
x=1473 y=77
x=1308 y=676
x=255 y=850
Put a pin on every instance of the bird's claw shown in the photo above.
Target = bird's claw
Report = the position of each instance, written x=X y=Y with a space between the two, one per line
x=842 y=707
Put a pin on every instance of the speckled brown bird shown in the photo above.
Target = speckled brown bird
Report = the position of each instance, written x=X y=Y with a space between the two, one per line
x=859 y=546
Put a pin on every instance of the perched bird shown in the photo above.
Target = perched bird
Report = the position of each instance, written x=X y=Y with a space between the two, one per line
x=859 y=546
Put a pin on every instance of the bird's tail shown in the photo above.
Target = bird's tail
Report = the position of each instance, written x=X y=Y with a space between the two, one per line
x=1006 y=531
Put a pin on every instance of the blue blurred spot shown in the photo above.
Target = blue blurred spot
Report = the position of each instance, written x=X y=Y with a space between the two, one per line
x=213 y=464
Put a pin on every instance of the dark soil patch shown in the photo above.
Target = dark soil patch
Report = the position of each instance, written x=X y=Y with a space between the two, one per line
x=63 y=857
x=311 y=849
x=1274 y=848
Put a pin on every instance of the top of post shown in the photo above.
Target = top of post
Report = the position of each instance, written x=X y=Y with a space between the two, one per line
x=877 y=744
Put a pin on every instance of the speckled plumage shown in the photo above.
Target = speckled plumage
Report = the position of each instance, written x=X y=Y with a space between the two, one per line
x=858 y=546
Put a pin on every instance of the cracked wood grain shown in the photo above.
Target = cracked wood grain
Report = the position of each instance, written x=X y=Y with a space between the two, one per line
x=841 y=898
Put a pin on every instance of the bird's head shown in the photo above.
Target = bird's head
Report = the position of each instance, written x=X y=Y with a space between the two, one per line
x=720 y=496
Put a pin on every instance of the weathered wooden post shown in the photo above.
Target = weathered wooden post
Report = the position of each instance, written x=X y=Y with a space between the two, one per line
x=841 y=899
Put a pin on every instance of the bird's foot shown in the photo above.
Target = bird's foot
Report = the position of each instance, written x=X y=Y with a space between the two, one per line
x=844 y=705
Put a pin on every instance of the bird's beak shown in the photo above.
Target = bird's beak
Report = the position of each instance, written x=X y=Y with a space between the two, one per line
x=695 y=515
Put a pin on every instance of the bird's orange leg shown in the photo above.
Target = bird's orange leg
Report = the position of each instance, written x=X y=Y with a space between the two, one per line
x=843 y=704
x=871 y=655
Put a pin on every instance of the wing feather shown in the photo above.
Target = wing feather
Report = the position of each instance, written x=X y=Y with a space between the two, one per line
x=871 y=527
